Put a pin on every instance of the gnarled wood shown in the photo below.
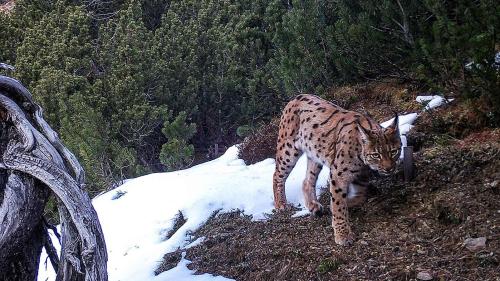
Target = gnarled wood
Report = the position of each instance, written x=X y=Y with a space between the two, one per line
x=23 y=203
x=31 y=152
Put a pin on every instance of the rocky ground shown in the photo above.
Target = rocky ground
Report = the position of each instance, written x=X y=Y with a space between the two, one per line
x=433 y=227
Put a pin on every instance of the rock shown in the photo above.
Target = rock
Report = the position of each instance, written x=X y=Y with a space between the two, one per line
x=475 y=244
x=363 y=242
x=424 y=275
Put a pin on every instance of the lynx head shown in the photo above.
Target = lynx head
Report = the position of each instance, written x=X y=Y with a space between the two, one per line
x=381 y=147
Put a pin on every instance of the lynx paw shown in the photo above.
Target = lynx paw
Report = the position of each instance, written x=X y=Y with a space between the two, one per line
x=317 y=210
x=283 y=207
x=344 y=240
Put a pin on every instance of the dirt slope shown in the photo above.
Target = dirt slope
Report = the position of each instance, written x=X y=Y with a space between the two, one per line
x=405 y=230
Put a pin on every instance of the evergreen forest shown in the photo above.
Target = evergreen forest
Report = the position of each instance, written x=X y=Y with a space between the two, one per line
x=141 y=86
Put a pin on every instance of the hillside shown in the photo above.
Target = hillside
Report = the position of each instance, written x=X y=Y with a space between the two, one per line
x=219 y=215
x=405 y=229
x=135 y=87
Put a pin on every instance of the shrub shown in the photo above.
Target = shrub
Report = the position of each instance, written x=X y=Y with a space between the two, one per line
x=177 y=153
x=260 y=144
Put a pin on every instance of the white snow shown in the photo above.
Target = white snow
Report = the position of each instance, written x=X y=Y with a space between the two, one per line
x=405 y=122
x=136 y=223
x=432 y=101
x=301 y=213
x=196 y=242
x=182 y=273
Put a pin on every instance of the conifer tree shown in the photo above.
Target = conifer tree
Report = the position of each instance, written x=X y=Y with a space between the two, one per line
x=54 y=60
x=177 y=153
x=457 y=49
x=302 y=52
x=131 y=113
x=106 y=72
x=7 y=46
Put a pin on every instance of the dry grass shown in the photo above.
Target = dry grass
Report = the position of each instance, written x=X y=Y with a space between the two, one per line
x=457 y=120
x=378 y=99
x=261 y=144
x=404 y=229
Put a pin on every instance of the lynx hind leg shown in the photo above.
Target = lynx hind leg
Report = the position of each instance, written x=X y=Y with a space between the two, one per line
x=284 y=165
x=357 y=193
x=286 y=157
x=309 y=188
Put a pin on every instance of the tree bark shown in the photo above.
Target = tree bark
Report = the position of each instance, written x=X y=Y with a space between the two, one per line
x=33 y=161
x=21 y=232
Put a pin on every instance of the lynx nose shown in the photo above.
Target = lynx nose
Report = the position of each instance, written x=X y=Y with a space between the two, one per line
x=388 y=171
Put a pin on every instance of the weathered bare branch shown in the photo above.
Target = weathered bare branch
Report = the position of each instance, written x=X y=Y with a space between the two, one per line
x=51 y=250
x=11 y=85
x=7 y=66
x=35 y=151
x=77 y=202
x=23 y=202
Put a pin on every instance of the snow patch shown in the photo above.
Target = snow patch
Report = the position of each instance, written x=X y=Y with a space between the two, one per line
x=432 y=101
x=195 y=243
x=301 y=213
x=135 y=224
x=404 y=121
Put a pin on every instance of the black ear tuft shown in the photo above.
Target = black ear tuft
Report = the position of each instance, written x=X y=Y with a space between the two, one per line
x=394 y=127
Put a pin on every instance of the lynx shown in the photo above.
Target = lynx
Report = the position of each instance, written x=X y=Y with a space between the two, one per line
x=347 y=142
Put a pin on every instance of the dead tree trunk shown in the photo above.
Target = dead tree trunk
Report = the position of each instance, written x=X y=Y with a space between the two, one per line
x=33 y=162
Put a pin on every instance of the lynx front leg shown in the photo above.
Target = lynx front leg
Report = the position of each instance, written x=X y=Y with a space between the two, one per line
x=340 y=217
x=309 y=188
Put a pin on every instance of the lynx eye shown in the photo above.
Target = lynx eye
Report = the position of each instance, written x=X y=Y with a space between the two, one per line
x=394 y=152
x=375 y=155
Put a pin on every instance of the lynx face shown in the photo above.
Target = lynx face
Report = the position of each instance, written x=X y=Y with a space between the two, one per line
x=381 y=148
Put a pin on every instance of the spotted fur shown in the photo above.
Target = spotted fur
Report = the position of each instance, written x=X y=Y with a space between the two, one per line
x=347 y=142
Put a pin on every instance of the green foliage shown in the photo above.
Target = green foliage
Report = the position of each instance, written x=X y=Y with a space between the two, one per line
x=54 y=59
x=136 y=86
x=214 y=60
x=375 y=37
x=14 y=24
x=244 y=131
x=458 y=46
x=126 y=99
x=303 y=54
x=7 y=49
x=329 y=265
x=177 y=153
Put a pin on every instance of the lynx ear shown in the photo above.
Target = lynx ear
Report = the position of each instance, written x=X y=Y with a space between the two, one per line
x=394 y=127
x=365 y=134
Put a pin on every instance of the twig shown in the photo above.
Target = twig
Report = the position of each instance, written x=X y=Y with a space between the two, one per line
x=50 y=249
x=53 y=228
x=7 y=66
